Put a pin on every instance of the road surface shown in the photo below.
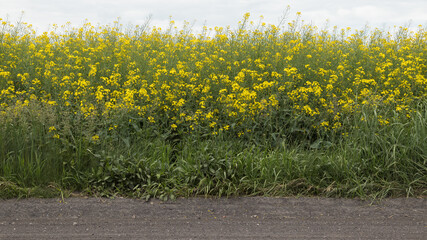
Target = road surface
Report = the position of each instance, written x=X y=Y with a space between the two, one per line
x=200 y=218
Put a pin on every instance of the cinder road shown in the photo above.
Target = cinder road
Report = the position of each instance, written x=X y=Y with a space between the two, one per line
x=199 y=218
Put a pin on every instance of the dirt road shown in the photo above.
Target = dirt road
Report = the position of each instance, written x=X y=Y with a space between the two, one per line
x=198 y=218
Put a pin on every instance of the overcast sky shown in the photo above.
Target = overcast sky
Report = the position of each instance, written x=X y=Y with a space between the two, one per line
x=342 y=13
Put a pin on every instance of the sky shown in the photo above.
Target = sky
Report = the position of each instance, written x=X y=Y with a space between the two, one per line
x=341 y=13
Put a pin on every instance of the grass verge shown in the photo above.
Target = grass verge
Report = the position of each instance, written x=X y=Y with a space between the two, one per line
x=373 y=162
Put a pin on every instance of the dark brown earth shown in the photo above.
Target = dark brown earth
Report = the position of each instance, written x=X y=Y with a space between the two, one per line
x=199 y=218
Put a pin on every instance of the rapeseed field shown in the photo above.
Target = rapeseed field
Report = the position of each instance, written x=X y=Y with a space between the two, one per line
x=91 y=103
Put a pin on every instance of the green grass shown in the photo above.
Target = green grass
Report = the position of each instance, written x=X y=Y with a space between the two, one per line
x=372 y=162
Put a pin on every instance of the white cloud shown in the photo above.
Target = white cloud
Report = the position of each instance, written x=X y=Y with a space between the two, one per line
x=342 y=13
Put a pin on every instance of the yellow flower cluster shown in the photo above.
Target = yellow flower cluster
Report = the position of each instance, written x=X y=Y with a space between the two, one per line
x=232 y=79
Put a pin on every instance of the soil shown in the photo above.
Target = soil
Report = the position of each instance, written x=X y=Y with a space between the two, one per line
x=201 y=218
